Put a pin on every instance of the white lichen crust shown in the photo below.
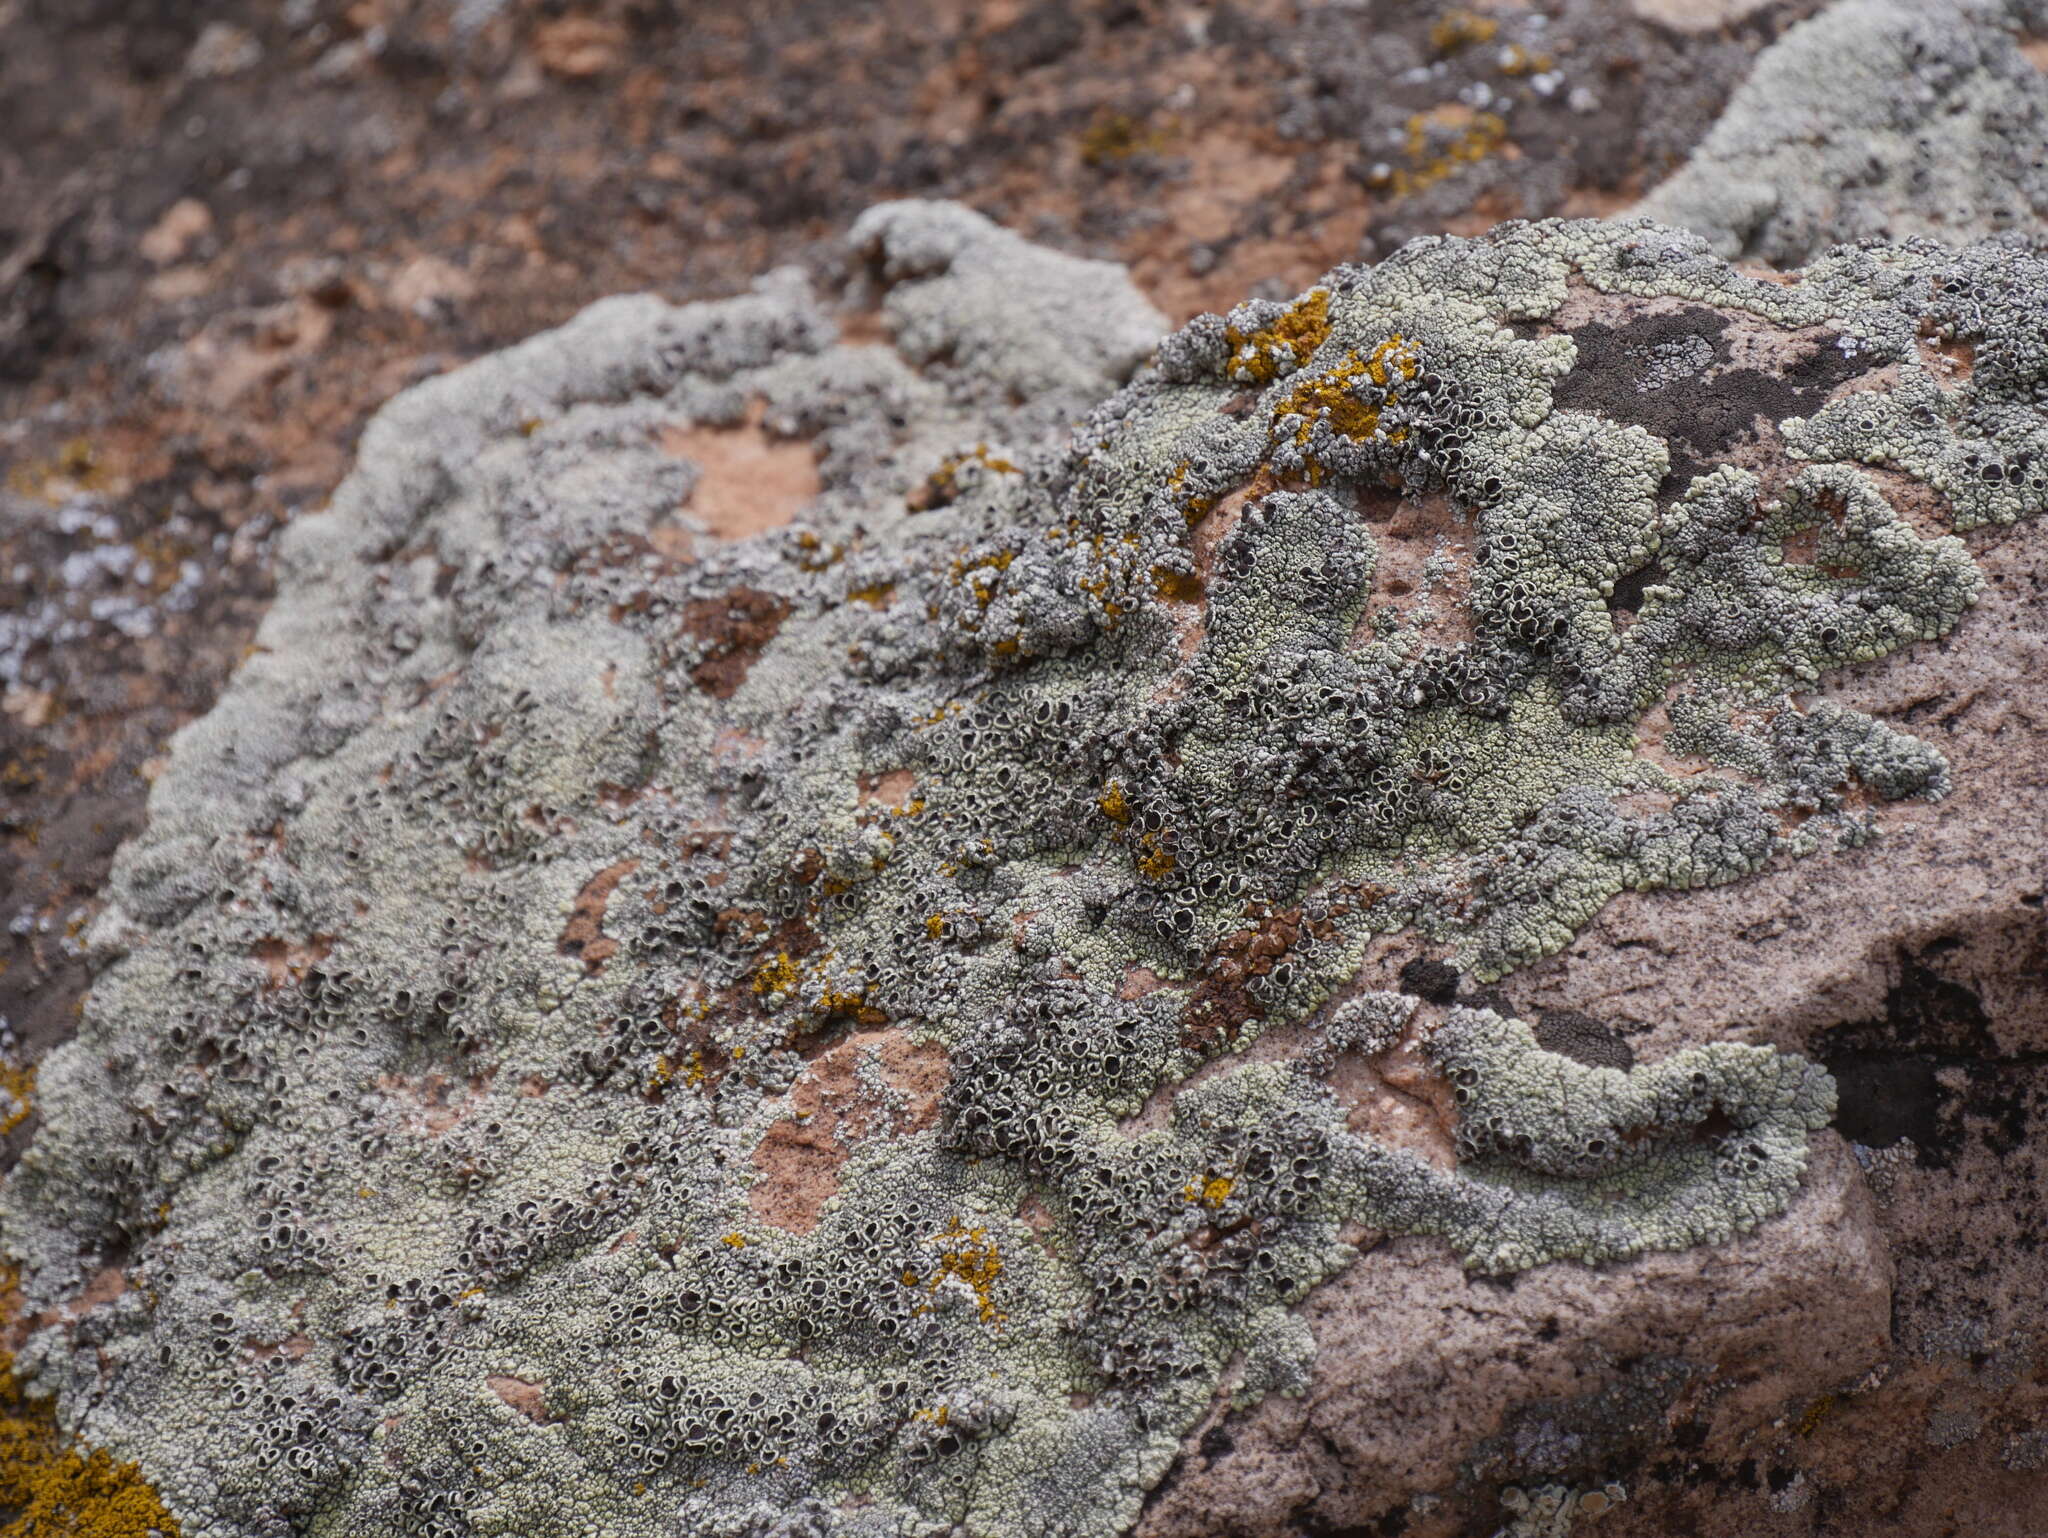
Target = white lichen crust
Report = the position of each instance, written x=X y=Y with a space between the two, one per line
x=479 y=934
x=1875 y=120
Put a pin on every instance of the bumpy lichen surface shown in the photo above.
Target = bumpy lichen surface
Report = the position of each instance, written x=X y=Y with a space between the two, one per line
x=1877 y=119
x=49 y=1486
x=493 y=925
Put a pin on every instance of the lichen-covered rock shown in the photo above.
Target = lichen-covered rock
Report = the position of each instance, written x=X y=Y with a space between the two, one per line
x=1875 y=120
x=614 y=1030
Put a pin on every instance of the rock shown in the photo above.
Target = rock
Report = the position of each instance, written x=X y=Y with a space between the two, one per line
x=223 y=49
x=1597 y=1365
x=182 y=226
x=430 y=287
x=579 y=47
x=549 y=194
x=895 y=1018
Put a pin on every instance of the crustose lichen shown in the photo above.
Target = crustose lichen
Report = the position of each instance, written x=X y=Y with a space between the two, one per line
x=549 y=891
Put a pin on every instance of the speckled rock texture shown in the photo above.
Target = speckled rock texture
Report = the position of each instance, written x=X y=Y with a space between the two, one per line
x=1049 y=990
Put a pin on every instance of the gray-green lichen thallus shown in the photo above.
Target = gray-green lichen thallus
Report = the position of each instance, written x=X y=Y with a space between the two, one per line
x=610 y=1031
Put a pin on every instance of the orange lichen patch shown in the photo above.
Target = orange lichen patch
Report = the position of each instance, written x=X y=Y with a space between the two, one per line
x=1261 y=356
x=748 y=480
x=1393 y=356
x=1459 y=28
x=17 y=1095
x=289 y=963
x=76 y=467
x=1178 y=586
x=1333 y=397
x=896 y=789
x=876 y=595
x=1439 y=142
x=1517 y=60
x=835 y=1107
x=583 y=936
x=778 y=974
x=1114 y=804
x=982 y=576
x=527 y=1398
x=1155 y=860
x=1210 y=1191
x=1816 y=1412
x=942 y=487
x=1113 y=136
x=738 y=627
x=52 y=1486
x=970 y=1256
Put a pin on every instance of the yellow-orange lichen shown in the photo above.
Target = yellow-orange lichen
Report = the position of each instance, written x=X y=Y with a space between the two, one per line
x=1305 y=326
x=1472 y=136
x=1155 y=860
x=19 y=1086
x=1517 y=60
x=1459 y=28
x=1114 y=136
x=76 y=466
x=942 y=487
x=971 y=1257
x=1332 y=397
x=778 y=974
x=52 y=1488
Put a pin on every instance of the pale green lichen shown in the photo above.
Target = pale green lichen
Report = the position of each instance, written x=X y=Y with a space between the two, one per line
x=1875 y=120
x=480 y=937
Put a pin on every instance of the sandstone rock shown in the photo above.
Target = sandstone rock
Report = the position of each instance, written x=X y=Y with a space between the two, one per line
x=893 y=1022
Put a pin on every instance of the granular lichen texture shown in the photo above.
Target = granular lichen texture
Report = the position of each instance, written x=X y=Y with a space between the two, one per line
x=52 y=1489
x=614 y=1031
